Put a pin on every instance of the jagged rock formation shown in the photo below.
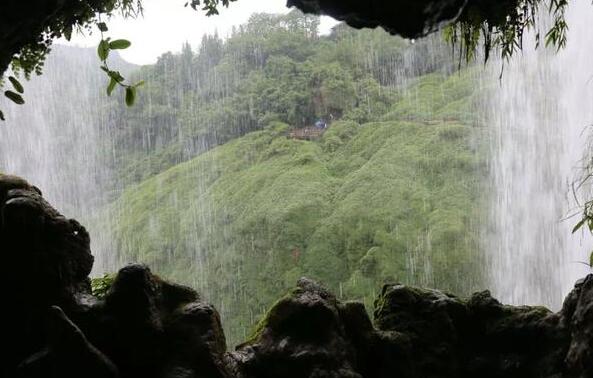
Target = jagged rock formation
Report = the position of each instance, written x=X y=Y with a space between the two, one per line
x=410 y=19
x=46 y=261
x=55 y=327
x=147 y=327
x=419 y=333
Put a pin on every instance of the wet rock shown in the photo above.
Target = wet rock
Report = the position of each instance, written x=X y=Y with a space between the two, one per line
x=578 y=312
x=68 y=353
x=152 y=328
x=427 y=323
x=302 y=336
x=144 y=326
x=55 y=250
x=197 y=342
x=408 y=18
x=46 y=260
x=417 y=333
x=451 y=337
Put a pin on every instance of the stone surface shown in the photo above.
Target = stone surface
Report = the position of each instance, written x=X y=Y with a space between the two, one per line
x=302 y=336
x=419 y=333
x=46 y=260
x=408 y=18
x=478 y=337
x=577 y=316
x=68 y=353
x=143 y=326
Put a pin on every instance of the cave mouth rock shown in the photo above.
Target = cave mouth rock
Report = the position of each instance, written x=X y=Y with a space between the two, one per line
x=407 y=18
x=144 y=326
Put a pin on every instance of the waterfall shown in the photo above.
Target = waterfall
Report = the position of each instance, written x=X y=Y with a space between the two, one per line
x=58 y=147
x=538 y=113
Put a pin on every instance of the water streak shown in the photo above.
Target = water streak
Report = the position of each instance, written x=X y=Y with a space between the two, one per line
x=538 y=113
x=57 y=146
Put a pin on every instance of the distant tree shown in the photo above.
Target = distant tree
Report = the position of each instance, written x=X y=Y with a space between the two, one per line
x=210 y=52
x=335 y=90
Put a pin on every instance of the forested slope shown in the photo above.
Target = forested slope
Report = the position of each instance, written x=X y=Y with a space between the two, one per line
x=390 y=200
x=273 y=68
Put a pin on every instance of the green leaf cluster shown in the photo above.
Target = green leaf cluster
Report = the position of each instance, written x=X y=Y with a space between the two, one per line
x=74 y=16
x=100 y=286
x=209 y=6
x=115 y=77
x=502 y=27
x=14 y=95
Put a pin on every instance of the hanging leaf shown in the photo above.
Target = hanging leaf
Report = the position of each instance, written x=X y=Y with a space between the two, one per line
x=103 y=50
x=2 y=116
x=68 y=33
x=193 y=4
x=138 y=84
x=115 y=75
x=111 y=86
x=579 y=225
x=120 y=44
x=16 y=84
x=130 y=96
x=102 y=27
x=14 y=97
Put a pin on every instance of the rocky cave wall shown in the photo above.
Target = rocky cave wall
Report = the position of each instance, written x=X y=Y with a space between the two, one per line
x=147 y=327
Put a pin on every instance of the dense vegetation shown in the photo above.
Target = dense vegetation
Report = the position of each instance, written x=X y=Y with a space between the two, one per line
x=274 y=68
x=216 y=195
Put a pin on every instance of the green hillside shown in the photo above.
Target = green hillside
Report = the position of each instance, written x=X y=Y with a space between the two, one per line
x=392 y=200
x=273 y=68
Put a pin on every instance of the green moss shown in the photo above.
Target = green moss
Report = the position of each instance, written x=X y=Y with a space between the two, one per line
x=100 y=286
x=264 y=320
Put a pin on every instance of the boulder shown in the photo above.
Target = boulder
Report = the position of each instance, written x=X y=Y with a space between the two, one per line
x=303 y=335
x=68 y=353
x=46 y=260
x=577 y=317
x=153 y=328
x=54 y=326
x=52 y=253
x=476 y=337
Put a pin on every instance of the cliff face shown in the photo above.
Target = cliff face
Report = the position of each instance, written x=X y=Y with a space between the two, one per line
x=147 y=327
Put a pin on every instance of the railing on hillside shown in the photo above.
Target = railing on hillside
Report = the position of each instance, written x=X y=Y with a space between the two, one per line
x=306 y=133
